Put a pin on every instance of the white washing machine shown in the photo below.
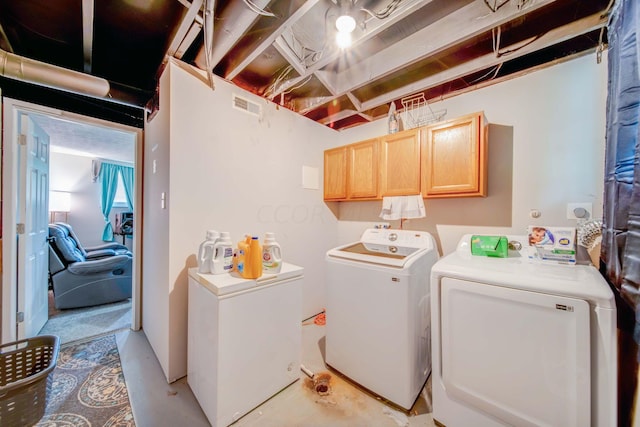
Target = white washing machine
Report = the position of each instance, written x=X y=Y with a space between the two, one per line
x=378 y=322
x=520 y=343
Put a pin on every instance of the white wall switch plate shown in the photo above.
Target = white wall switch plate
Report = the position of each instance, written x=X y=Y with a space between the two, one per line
x=575 y=209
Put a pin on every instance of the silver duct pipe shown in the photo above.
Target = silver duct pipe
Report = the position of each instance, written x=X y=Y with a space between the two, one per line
x=232 y=24
x=39 y=73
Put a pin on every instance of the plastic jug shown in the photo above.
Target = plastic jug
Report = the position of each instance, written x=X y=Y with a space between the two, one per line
x=205 y=252
x=254 y=258
x=249 y=258
x=271 y=254
x=222 y=260
x=240 y=259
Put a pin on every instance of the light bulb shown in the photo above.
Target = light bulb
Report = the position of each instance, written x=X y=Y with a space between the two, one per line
x=343 y=39
x=345 y=24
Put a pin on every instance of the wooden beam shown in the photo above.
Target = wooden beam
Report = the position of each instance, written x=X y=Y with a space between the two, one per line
x=550 y=38
x=87 y=34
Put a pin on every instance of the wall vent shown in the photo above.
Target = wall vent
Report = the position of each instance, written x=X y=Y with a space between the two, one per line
x=240 y=103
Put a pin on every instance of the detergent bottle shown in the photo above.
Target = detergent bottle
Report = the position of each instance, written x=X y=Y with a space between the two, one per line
x=254 y=258
x=222 y=261
x=205 y=251
x=271 y=254
x=241 y=255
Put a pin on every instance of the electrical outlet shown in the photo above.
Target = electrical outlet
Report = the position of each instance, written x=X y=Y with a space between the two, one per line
x=575 y=209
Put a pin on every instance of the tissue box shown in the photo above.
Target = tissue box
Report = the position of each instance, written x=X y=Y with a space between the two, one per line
x=495 y=246
x=553 y=244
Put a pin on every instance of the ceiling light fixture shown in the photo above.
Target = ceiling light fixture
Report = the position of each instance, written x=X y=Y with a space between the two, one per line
x=345 y=24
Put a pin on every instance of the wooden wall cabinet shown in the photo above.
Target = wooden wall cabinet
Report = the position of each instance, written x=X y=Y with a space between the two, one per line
x=335 y=174
x=362 y=171
x=400 y=163
x=454 y=158
x=446 y=159
x=351 y=171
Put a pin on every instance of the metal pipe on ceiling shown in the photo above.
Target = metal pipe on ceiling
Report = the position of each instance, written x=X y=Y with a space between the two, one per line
x=31 y=71
x=233 y=22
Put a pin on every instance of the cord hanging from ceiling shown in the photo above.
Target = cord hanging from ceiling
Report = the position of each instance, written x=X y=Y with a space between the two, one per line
x=251 y=5
x=386 y=12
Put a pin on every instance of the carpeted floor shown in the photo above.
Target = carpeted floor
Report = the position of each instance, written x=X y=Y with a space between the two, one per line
x=81 y=323
x=88 y=387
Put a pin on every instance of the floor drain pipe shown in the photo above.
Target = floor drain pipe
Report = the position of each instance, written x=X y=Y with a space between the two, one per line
x=306 y=371
x=31 y=71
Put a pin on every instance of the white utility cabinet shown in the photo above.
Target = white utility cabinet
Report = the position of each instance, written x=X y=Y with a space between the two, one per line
x=244 y=339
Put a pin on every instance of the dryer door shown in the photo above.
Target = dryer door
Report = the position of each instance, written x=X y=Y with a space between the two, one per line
x=522 y=357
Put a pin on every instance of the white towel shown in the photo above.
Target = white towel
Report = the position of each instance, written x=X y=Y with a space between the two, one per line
x=399 y=207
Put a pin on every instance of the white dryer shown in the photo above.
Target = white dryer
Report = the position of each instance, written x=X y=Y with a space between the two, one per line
x=378 y=321
x=519 y=343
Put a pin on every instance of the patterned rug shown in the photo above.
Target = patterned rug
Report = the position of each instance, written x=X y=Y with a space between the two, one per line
x=88 y=387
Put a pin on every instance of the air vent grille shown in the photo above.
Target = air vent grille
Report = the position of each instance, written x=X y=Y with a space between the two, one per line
x=240 y=103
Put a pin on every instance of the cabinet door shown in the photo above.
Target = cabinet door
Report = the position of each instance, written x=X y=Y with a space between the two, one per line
x=454 y=158
x=363 y=169
x=335 y=174
x=400 y=163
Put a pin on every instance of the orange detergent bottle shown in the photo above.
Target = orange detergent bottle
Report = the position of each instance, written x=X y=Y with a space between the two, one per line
x=249 y=258
x=254 y=258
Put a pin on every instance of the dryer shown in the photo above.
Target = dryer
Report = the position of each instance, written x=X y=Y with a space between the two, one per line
x=517 y=342
x=378 y=321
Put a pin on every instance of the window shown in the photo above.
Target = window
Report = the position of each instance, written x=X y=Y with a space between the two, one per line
x=120 y=201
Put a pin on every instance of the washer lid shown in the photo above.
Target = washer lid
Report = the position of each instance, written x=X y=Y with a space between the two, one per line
x=386 y=247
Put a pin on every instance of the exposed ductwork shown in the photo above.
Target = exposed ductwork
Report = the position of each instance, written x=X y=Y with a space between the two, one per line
x=42 y=74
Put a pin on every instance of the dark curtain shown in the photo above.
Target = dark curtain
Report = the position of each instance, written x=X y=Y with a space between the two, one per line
x=621 y=226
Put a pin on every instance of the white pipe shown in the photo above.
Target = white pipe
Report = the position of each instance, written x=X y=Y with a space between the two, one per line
x=39 y=73
x=307 y=371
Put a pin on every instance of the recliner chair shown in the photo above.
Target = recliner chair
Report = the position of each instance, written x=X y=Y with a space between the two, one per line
x=83 y=277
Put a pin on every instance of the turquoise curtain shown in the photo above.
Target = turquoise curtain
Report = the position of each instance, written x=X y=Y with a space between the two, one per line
x=109 y=179
x=128 y=180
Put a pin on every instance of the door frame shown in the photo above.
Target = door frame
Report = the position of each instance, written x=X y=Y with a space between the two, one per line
x=10 y=109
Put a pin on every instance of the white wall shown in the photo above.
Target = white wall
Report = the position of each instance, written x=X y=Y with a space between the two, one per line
x=558 y=119
x=226 y=170
x=223 y=169
x=73 y=174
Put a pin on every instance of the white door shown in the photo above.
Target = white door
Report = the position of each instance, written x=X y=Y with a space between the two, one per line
x=32 y=219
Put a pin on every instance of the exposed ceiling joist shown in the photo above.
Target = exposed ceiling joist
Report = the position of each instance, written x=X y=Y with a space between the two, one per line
x=268 y=41
x=550 y=38
x=359 y=35
x=465 y=23
x=87 y=34
x=185 y=27
x=231 y=25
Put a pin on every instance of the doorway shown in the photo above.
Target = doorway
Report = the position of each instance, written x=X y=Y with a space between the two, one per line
x=72 y=137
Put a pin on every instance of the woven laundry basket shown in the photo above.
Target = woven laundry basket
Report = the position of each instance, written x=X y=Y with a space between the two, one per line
x=26 y=371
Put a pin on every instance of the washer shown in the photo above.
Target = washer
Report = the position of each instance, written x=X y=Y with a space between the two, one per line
x=378 y=322
x=517 y=342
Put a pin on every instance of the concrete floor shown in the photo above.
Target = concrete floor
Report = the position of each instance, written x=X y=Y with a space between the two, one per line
x=156 y=403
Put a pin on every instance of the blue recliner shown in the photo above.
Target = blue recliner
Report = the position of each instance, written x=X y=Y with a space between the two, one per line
x=83 y=277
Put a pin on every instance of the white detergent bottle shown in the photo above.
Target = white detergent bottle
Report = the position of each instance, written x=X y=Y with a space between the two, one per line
x=222 y=260
x=205 y=251
x=271 y=254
